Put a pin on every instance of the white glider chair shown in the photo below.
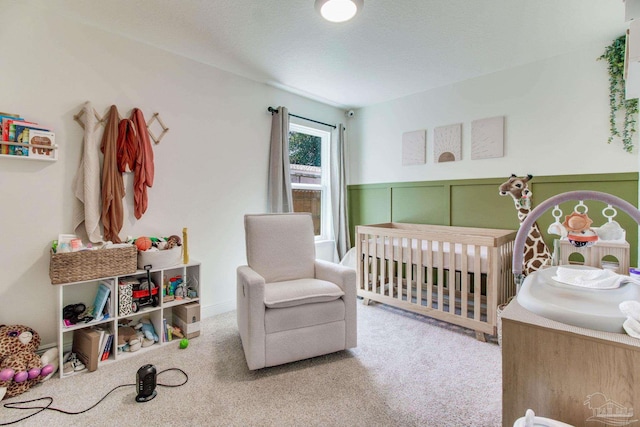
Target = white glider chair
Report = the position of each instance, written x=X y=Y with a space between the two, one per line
x=291 y=306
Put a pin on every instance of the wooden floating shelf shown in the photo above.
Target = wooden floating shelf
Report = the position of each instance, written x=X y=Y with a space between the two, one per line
x=53 y=148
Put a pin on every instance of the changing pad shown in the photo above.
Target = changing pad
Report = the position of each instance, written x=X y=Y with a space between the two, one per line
x=590 y=308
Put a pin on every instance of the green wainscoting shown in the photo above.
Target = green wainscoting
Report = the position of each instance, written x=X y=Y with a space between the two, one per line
x=476 y=203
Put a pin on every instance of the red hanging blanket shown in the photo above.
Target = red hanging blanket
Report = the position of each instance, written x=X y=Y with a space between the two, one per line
x=144 y=168
x=112 y=183
x=127 y=145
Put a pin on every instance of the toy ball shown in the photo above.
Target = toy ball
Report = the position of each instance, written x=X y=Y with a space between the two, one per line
x=143 y=243
x=184 y=343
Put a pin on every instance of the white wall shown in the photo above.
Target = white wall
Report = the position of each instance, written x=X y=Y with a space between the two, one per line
x=556 y=122
x=211 y=167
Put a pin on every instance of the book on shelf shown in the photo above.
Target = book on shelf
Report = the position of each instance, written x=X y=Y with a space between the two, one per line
x=8 y=128
x=100 y=301
x=107 y=348
x=101 y=331
x=22 y=136
x=86 y=344
x=106 y=311
x=166 y=331
x=104 y=331
x=5 y=117
x=42 y=137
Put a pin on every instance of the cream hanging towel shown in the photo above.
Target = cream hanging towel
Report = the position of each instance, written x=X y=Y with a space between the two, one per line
x=86 y=184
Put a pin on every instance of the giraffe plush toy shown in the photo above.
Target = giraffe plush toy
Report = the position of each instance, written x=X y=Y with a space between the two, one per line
x=536 y=252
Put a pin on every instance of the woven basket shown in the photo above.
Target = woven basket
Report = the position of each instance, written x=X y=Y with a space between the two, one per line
x=86 y=265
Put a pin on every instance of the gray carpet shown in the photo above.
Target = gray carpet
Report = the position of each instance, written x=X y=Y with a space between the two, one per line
x=407 y=370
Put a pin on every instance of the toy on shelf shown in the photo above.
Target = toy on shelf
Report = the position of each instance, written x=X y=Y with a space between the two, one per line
x=128 y=339
x=158 y=252
x=144 y=293
x=175 y=331
x=20 y=366
x=143 y=243
x=148 y=330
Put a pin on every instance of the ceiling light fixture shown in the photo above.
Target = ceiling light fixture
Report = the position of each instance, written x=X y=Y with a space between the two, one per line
x=338 y=10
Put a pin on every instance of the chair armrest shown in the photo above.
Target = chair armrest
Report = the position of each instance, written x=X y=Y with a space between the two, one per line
x=250 y=281
x=250 y=314
x=344 y=277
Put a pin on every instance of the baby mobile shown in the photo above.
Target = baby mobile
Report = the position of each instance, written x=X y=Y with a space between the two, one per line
x=576 y=227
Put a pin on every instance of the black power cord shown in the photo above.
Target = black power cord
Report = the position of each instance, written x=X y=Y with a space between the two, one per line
x=17 y=405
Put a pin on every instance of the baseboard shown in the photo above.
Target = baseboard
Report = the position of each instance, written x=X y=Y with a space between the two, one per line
x=219 y=308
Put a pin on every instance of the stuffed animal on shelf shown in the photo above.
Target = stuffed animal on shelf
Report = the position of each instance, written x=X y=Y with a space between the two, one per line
x=147 y=329
x=20 y=366
x=173 y=241
x=128 y=339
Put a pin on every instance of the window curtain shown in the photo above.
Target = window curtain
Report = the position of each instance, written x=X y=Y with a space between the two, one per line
x=279 y=196
x=338 y=180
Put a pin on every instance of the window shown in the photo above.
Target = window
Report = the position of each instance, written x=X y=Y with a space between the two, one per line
x=309 y=167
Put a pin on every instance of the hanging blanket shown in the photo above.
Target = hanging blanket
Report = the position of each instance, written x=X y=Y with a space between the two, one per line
x=86 y=184
x=112 y=183
x=144 y=168
x=127 y=146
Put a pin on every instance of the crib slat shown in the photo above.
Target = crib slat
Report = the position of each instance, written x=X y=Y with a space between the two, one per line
x=492 y=285
x=464 y=280
x=365 y=262
x=359 y=272
x=391 y=267
x=440 y=252
x=419 y=273
x=400 y=258
x=452 y=277
x=477 y=283
x=383 y=262
x=374 y=266
x=409 y=270
x=429 y=273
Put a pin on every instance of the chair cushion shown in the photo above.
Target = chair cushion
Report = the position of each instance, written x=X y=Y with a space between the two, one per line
x=303 y=316
x=290 y=293
x=280 y=246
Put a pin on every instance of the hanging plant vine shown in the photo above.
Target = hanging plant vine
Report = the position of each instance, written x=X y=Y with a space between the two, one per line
x=614 y=55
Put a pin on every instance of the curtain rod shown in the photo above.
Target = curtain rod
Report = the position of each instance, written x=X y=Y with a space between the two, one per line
x=275 y=110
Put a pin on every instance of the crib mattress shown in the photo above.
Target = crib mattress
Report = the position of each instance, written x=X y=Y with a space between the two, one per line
x=394 y=245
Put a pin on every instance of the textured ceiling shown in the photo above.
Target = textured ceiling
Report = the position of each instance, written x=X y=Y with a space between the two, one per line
x=393 y=48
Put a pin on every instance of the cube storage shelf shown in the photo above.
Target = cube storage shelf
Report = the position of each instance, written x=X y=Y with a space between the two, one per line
x=85 y=292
